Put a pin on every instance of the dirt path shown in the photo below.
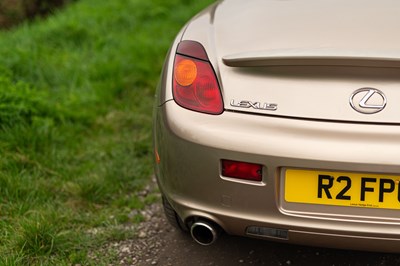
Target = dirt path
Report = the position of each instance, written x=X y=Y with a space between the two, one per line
x=157 y=243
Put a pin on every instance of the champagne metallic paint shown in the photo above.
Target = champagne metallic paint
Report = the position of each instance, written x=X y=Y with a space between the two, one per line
x=314 y=127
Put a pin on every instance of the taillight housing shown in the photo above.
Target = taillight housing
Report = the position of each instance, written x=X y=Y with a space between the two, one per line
x=195 y=84
x=241 y=170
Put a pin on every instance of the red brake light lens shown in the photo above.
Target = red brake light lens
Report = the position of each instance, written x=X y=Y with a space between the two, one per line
x=195 y=85
x=242 y=170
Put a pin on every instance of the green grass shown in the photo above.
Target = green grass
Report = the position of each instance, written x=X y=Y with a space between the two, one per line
x=76 y=94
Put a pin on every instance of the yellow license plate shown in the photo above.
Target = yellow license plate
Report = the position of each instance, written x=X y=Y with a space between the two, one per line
x=342 y=189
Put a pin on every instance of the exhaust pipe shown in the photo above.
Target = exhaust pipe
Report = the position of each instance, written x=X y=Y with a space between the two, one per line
x=204 y=233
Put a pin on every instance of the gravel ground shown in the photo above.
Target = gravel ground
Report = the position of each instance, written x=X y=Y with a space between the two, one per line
x=158 y=243
x=148 y=240
x=144 y=249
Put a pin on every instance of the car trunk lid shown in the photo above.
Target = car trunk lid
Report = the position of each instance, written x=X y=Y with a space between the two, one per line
x=310 y=59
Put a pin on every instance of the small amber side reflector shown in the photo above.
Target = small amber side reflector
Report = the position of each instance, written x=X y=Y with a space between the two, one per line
x=157 y=157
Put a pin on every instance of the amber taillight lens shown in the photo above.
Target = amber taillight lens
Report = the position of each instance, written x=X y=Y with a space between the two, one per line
x=195 y=85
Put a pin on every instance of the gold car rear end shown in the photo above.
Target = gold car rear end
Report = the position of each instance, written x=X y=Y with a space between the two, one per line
x=190 y=176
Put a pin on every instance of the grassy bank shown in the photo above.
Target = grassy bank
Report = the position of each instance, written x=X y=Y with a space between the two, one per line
x=76 y=94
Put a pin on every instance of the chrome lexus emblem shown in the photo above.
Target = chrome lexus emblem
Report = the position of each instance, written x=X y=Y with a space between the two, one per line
x=368 y=100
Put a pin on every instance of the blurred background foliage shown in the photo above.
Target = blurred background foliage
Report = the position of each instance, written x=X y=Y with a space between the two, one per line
x=13 y=12
x=76 y=94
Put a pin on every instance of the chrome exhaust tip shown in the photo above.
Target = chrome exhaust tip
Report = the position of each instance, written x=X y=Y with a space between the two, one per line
x=204 y=233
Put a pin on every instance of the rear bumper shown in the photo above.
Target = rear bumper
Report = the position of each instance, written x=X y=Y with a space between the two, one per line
x=190 y=146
